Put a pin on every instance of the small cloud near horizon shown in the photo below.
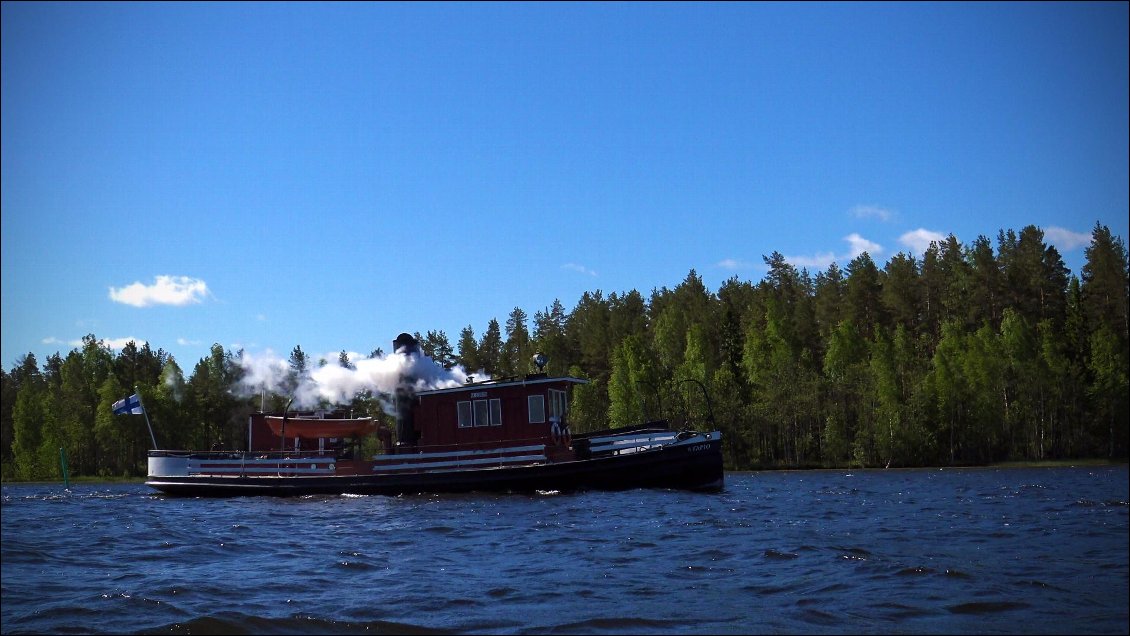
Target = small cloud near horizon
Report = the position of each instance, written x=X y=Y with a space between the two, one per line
x=822 y=260
x=578 y=268
x=819 y=261
x=734 y=264
x=1066 y=240
x=118 y=343
x=871 y=211
x=112 y=343
x=166 y=290
x=919 y=240
x=860 y=245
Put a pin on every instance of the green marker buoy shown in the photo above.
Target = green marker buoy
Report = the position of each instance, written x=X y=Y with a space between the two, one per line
x=63 y=463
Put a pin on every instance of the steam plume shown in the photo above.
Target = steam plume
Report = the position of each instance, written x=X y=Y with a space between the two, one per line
x=337 y=384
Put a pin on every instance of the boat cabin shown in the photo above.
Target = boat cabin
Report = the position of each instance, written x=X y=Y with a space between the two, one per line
x=476 y=415
x=481 y=415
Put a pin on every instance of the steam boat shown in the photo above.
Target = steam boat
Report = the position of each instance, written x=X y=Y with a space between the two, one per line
x=509 y=434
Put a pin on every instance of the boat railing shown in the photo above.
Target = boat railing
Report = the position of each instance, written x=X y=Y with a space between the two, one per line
x=244 y=455
x=242 y=463
x=627 y=443
x=656 y=426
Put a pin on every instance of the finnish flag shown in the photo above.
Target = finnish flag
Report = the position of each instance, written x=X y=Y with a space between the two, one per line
x=129 y=405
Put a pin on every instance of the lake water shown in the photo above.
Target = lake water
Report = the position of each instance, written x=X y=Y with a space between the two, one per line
x=969 y=551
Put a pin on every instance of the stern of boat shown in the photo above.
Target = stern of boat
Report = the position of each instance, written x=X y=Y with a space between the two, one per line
x=166 y=464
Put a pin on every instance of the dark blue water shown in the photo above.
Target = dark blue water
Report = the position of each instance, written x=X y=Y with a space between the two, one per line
x=912 y=551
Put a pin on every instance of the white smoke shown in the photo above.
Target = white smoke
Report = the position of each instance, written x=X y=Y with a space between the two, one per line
x=337 y=384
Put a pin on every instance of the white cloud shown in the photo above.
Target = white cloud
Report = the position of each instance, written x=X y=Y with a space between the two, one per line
x=113 y=343
x=167 y=290
x=919 y=240
x=821 y=261
x=869 y=211
x=578 y=268
x=118 y=343
x=185 y=342
x=1066 y=240
x=734 y=264
x=860 y=245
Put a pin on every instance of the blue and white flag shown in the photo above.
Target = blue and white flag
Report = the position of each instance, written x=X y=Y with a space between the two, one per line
x=132 y=404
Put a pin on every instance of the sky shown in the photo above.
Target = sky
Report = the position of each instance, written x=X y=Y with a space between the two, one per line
x=329 y=175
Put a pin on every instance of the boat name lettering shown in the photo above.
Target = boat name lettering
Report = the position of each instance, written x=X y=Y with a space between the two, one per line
x=699 y=447
x=479 y=394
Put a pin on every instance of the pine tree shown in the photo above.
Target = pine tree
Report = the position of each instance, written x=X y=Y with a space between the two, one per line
x=985 y=290
x=516 y=351
x=490 y=349
x=468 y=356
x=27 y=420
x=588 y=331
x=436 y=346
x=829 y=305
x=1105 y=283
x=1109 y=389
x=864 y=295
x=549 y=338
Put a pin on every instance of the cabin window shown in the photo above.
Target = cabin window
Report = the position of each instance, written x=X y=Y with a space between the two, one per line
x=496 y=412
x=482 y=413
x=557 y=403
x=465 y=416
x=537 y=409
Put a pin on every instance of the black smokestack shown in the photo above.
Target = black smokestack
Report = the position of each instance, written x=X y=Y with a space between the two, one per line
x=405 y=344
x=406 y=433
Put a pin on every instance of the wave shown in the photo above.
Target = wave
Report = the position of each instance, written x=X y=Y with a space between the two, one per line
x=236 y=623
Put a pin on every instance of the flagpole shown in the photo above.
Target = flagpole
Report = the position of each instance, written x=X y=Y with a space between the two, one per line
x=282 y=432
x=146 y=414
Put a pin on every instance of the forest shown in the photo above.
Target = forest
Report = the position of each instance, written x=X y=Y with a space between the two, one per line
x=968 y=355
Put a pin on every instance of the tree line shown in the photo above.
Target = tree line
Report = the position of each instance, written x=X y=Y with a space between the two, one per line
x=966 y=355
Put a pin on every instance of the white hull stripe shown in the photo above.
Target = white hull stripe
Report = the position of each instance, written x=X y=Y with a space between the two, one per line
x=477 y=463
x=493 y=452
x=252 y=470
x=296 y=466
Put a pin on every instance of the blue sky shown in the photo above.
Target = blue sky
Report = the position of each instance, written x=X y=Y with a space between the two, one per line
x=330 y=175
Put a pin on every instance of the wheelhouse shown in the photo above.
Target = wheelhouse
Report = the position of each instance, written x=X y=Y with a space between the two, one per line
x=531 y=409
